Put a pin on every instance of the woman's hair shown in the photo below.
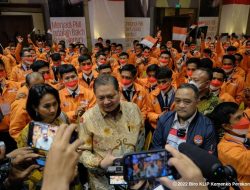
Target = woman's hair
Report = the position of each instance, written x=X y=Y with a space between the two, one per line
x=221 y=113
x=36 y=93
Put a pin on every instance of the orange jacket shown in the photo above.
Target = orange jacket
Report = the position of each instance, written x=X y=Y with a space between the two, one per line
x=234 y=87
x=141 y=68
x=6 y=99
x=232 y=152
x=9 y=62
x=225 y=97
x=145 y=83
x=154 y=108
x=69 y=104
x=19 y=117
x=18 y=74
x=140 y=98
x=84 y=83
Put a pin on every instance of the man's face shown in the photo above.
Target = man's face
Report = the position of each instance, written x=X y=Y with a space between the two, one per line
x=118 y=49
x=70 y=80
x=27 y=59
x=201 y=79
x=237 y=59
x=12 y=50
x=2 y=73
x=86 y=66
x=107 y=98
x=45 y=72
x=211 y=47
x=191 y=67
x=106 y=71
x=113 y=47
x=185 y=103
x=101 y=59
x=146 y=53
x=227 y=65
x=169 y=44
x=123 y=60
x=138 y=50
x=127 y=76
x=164 y=60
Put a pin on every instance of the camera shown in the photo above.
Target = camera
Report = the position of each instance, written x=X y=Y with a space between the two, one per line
x=115 y=173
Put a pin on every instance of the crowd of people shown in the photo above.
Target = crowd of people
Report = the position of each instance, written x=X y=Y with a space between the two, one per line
x=121 y=101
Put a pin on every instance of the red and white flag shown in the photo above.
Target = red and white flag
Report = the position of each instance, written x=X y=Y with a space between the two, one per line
x=179 y=33
x=149 y=41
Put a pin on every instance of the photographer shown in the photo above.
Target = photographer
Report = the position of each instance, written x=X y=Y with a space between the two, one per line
x=16 y=167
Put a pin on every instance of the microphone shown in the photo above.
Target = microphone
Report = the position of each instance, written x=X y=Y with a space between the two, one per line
x=211 y=168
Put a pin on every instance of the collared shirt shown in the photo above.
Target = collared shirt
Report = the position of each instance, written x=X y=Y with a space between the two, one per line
x=173 y=139
x=169 y=94
x=24 y=67
x=77 y=91
x=131 y=93
x=86 y=76
x=207 y=103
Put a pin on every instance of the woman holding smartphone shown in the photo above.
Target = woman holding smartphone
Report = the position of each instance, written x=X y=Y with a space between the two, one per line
x=43 y=105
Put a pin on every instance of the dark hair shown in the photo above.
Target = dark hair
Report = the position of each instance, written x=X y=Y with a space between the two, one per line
x=166 y=52
x=164 y=73
x=141 y=46
x=131 y=68
x=99 y=45
x=146 y=48
x=31 y=76
x=38 y=65
x=238 y=54
x=106 y=49
x=231 y=48
x=124 y=54
x=119 y=45
x=221 y=113
x=231 y=57
x=103 y=80
x=135 y=41
x=82 y=58
x=36 y=93
x=219 y=70
x=73 y=45
x=194 y=60
x=24 y=50
x=56 y=57
x=208 y=51
x=99 y=53
x=208 y=72
x=153 y=67
x=108 y=41
x=104 y=66
x=66 y=68
x=206 y=63
x=190 y=86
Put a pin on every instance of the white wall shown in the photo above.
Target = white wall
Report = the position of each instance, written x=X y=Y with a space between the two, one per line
x=38 y=21
x=107 y=20
x=234 y=18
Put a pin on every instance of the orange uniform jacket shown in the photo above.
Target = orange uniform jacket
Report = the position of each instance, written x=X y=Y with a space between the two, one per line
x=84 y=83
x=234 y=87
x=69 y=104
x=145 y=83
x=140 y=98
x=154 y=108
x=19 y=117
x=6 y=99
x=234 y=153
x=18 y=74
x=141 y=69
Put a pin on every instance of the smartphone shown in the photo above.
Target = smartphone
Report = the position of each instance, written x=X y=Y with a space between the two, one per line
x=148 y=165
x=117 y=180
x=40 y=138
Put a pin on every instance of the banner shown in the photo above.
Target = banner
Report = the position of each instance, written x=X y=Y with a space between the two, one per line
x=211 y=23
x=179 y=33
x=136 y=28
x=70 y=29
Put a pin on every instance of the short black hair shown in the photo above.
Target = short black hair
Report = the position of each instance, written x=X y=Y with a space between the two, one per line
x=231 y=57
x=119 y=45
x=135 y=41
x=208 y=72
x=194 y=60
x=82 y=58
x=66 y=68
x=208 y=51
x=153 y=67
x=166 y=52
x=163 y=73
x=103 y=80
x=141 y=46
x=131 y=68
x=36 y=93
x=38 y=65
x=124 y=54
x=190 y=86
x=56 y=57
x=24 y=50
x=104 y=66
x=146 y=48
x=219 y=70
x=206 y=63
x=231 y=48
x=99 y=53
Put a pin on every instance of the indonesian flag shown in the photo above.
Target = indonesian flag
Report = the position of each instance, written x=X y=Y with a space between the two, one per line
x=149 y=41
x=179 y=33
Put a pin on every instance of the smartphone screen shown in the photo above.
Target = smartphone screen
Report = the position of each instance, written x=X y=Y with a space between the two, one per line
x=117 y=180
x=147 y=165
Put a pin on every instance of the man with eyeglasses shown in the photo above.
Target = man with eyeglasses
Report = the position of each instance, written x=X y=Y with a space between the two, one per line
x=109 y=130
x=88 y=74
x=185 y=124
x=162 y=98
x=75 y=99
x=20 y=71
